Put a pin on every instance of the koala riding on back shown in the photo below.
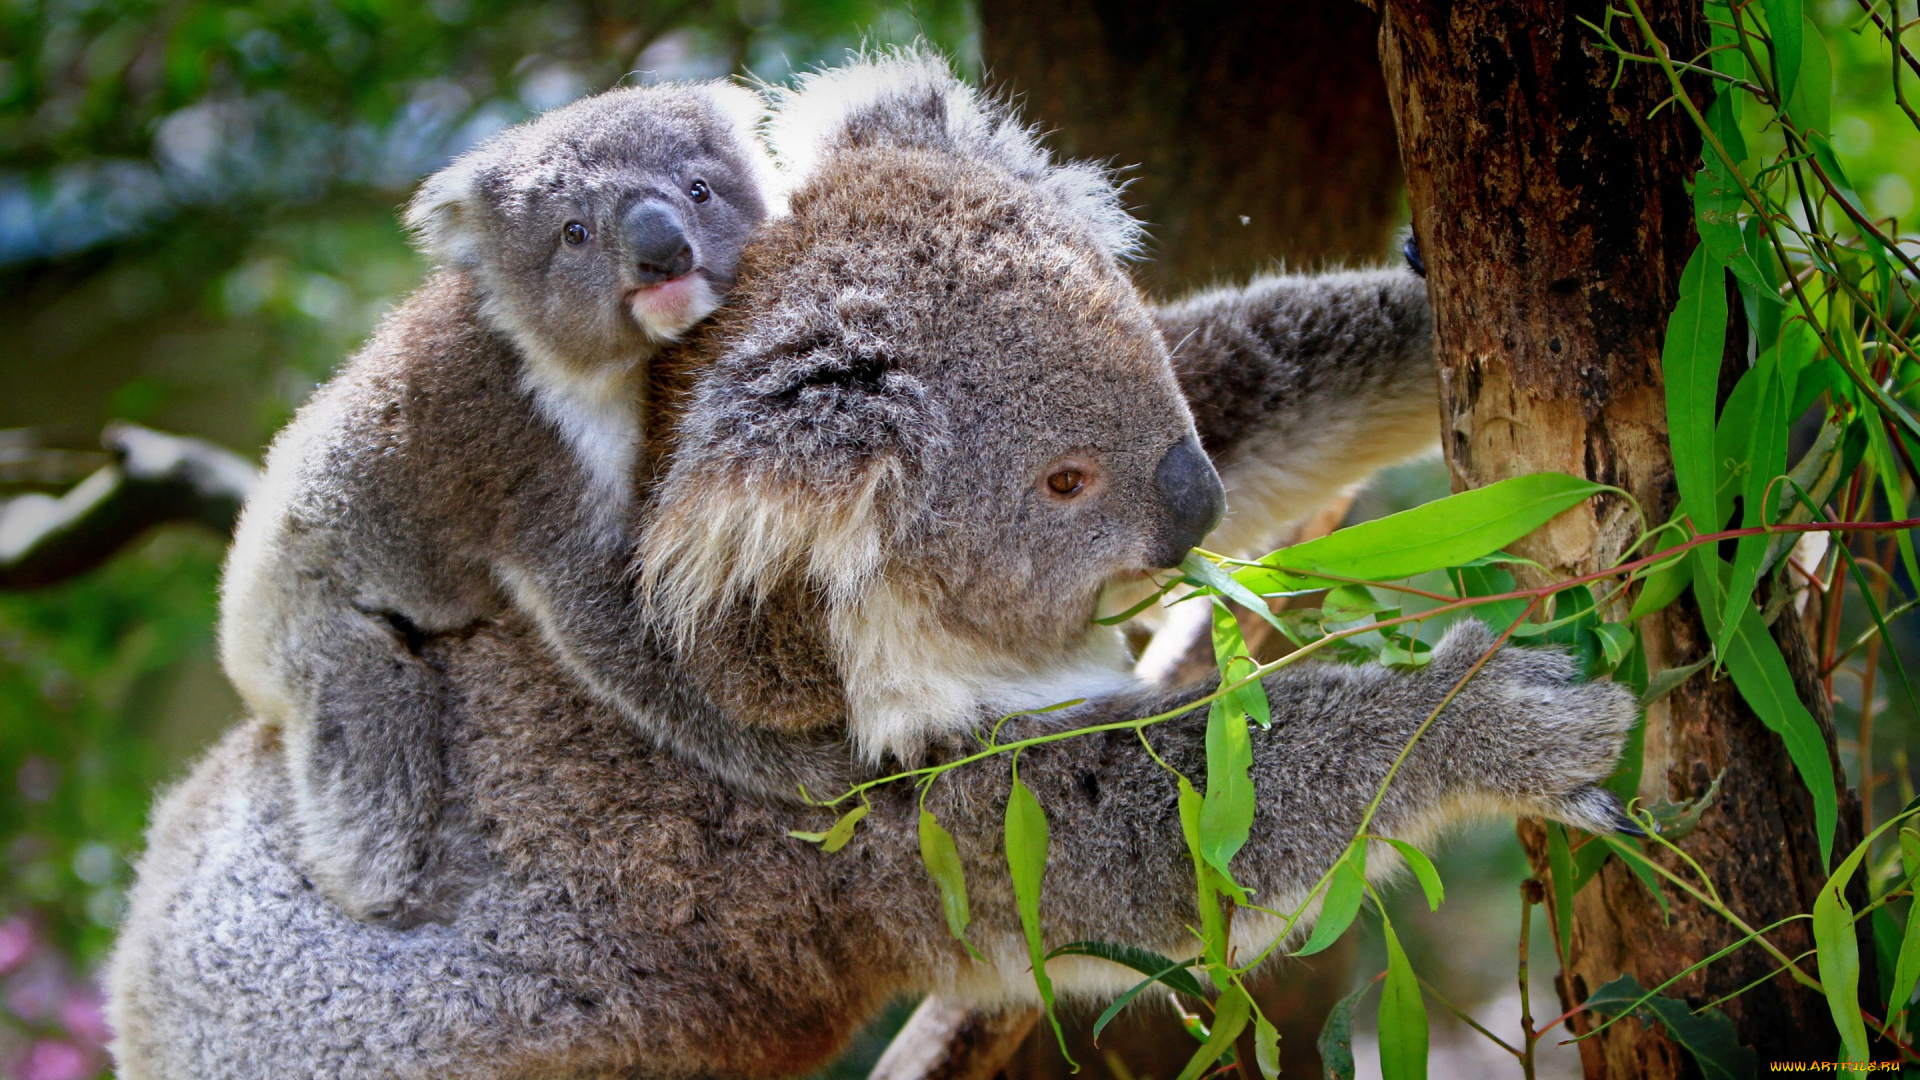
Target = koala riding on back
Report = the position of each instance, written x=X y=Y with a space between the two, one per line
x=477 y=456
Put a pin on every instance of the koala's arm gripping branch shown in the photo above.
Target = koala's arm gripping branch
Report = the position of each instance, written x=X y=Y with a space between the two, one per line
x=154 y=479
x=1522 y=734
x=1303 y=385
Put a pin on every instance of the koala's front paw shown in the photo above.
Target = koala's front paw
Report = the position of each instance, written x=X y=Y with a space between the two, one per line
x=1527 y=730
x=378 y=879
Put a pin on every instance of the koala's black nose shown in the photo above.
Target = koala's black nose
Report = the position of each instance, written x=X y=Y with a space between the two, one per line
x=657 y=242
x=1193 y=498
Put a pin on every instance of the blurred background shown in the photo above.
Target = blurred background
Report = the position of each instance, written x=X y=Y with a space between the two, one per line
x=197 y=225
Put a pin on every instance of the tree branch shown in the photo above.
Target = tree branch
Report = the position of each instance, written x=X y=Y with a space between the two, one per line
x=154 y=479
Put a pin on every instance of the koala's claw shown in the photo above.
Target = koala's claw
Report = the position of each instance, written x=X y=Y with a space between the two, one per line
x=1594 y=809
x=1626 y=826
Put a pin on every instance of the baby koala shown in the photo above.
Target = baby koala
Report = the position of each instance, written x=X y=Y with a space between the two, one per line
x=477 y=455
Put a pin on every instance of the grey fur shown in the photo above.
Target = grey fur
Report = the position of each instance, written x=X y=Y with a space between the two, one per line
x=1302 y=385
x=904 y=360
x=477 y=456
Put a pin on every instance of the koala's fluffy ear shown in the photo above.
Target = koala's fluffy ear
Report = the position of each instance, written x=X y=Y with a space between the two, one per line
x=443 y=215
x=747 y=111
x=911 y=99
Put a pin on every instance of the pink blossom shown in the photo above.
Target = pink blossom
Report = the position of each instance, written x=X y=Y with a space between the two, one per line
x=16 y=943
x=51 y=1059
x=81 y=1015
x=36 y=992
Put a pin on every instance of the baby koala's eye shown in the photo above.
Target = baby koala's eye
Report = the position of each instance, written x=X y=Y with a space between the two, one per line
x=1066 y=482
x=575 y=233
x=698 y=191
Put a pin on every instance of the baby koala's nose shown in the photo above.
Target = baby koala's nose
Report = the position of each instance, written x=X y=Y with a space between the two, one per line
x=657 y=242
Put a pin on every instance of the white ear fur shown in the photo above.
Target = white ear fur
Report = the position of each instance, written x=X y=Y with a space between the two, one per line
x=749 y=113
x=911 y=98
x=441 y=215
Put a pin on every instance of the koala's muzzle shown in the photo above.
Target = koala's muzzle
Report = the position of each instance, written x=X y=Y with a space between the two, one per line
x=657 y=242
x=1194 y=500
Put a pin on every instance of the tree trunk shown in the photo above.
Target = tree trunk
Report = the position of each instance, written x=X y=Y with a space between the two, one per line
x=1251 y=132
x=1551 y=210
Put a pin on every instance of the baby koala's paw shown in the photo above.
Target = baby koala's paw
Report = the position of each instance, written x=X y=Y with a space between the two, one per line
x=1530 y=732
x=397 y=878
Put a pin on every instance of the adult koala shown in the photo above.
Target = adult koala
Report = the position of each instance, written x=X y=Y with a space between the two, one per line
x=932 y=422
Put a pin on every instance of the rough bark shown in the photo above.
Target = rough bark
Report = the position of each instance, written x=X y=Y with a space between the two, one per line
x=1551 y=209
x=1251 y=132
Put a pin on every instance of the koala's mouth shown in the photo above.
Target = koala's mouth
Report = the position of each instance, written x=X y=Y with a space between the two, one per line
x=665 y=311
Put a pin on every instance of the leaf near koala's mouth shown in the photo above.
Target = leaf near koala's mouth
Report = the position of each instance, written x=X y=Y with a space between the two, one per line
x=1447 y=532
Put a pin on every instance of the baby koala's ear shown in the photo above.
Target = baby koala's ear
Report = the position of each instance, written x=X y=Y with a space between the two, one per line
x=444 y=215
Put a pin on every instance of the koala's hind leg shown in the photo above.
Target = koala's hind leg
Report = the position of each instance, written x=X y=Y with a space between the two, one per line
x=368 y=760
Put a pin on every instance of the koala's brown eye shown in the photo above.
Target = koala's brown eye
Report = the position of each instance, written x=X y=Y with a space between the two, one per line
x=575 y=233
x=1067 y=482
x=698 y=191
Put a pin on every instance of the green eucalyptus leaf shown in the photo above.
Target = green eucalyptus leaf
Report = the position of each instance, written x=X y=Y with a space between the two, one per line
x=1230 y=1012
x=1636 y=861
x=1226 y=815
x=1690 y=364
x=1445 y=532
x=1423 y=869
x=1766 y=458
x=1616 y=641
x=837 y=837
x=1837 y=952
x=1026 y=828
x=1708 y=1036
x=1785 y=22
x=1158 y=968
x=1235 y=663
x=1120 y=1003
x=1670 y=679
x=1342 y=903
x=1760 y=673
x=1202 y=571
x=1336 y=1036
x=1411 y=654
x=1473 y=581
x=1348 y=603
x=1266 y=1047
x=1717 y=197
x=1228 y=642
x=1213 y=931
x=1560 y=871
x=1403 y=1017
x=1726 y=60
x=942 y=860
x=1674 y=821
x=1662 y=587
x=1765 y=306
x=1906 y=970
x=842 y=831
x=1810 y=102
